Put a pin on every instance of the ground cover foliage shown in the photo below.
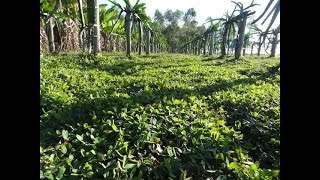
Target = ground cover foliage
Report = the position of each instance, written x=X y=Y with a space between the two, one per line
x=161 y=116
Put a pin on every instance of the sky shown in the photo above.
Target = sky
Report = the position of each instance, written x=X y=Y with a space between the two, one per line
x=206 y=8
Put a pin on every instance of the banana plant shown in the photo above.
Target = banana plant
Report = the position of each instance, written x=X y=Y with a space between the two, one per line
x=48 y=8
x=137 y=10
x=56 y=13
x=111 y=28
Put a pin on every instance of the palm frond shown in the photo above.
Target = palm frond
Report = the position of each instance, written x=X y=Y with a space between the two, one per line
x=128 y=3
x=273 y=9
x=265 y=10
x=117 y=4
x=217 y=19
x=102 y=6
x=137 y=4
x=238 y=4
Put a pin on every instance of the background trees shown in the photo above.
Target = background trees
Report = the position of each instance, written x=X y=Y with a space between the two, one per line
x=123 y=25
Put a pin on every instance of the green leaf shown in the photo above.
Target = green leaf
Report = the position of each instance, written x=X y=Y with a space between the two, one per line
x=233 y=165
x=221 y=156
x=79 y=137
x=41 y=175
x=114 y=127
x=48 y=174
x=183 y=132
x=177 y=120
x=117 y=4
x=275 y=172
x=159 y=148
x=82 y=151
x=85 y=126
x=176 y=101
x=128 y=3
x=68 y=162
x=63 y=149
x=222 y=177
x=102 y=6
x=227 y=161
x=65 y=134
x=183 y=175
x=169 y=151
x=87 y=167
x=93 y=152
x=129 y=166
x=132 y=172
x=254 y=167
x=61 y=171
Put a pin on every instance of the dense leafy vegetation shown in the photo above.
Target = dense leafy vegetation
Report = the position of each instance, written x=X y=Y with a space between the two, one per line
x=159 y=117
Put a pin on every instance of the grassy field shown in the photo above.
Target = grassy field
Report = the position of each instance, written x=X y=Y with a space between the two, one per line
x=163 y=116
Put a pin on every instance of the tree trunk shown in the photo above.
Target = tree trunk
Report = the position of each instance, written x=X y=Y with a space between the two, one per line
x=148 y=41
x=252 y=48
x=211 y=43
x=128 y=32
x=118 y=43
x=49 y=22
x=195 y=47
x=112 y=44
x=239 y=43
x=82 y=31
x=259 y=45
x=215 y=44
x=94 y=26
x=245 y=45
x=205 y=44
x=229 y=43
x=274 y=45
x=199 y=47
x=224 y=39
x=96 y=29
x=50 y=35
x=140 y=37
x=192 y=47
x=152 y=42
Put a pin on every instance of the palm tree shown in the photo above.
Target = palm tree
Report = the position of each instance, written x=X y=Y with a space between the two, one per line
x=137 y=10
x=140 y=37
x=261 y=34
x=247 y=36
x=227 y=27
x=275 y=10
x=243 y=15
x=147 y=40
x=275 y=41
